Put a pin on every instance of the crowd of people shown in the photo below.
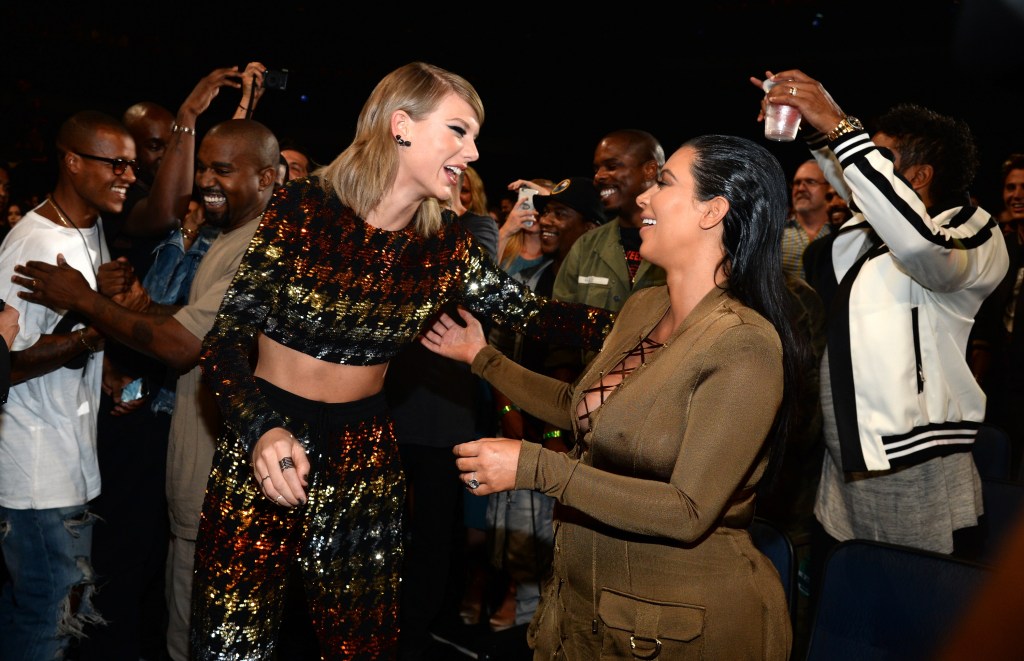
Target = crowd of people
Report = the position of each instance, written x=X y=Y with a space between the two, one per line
x=257 y=404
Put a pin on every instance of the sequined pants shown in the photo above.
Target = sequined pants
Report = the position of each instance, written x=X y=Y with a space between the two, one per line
x=346 y=539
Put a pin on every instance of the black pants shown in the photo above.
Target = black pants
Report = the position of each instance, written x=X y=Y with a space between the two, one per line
x=433 y=521
x=130 y=539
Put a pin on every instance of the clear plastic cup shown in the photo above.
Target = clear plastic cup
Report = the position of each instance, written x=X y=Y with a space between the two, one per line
x=781 y=122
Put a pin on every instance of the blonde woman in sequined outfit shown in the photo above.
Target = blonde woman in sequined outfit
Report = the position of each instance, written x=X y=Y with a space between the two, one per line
x=344 y=270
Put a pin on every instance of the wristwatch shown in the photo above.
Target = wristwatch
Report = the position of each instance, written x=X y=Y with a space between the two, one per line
x=847 y=124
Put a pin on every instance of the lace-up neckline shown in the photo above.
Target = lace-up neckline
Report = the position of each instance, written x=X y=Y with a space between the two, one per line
x=595 y=396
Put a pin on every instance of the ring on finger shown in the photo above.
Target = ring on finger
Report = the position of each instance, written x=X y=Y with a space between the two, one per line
x=286 y=463
x=279 y=499
x=473 y=482
x=792 y=91
x=265 y=478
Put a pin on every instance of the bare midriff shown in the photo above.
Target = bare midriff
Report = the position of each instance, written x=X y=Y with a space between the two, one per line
x=315 y=379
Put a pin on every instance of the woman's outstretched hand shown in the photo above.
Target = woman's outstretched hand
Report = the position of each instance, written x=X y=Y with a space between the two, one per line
x=460 y=341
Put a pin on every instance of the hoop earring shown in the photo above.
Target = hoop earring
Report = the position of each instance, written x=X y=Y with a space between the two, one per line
x=403 y=143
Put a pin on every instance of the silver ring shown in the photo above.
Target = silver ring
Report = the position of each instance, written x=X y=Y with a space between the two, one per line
x=473 y=484
x=286 y=463
x=792 y=91
x=279 y=499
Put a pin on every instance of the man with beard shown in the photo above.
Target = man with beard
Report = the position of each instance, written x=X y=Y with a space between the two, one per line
x=810 y=220
x=235 y=172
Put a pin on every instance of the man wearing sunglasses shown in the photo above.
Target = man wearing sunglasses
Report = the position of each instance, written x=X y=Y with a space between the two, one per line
x=117 y=165
x=234 y=170
x=48 y=465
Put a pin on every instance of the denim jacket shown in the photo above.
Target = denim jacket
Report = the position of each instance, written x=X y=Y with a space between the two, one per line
x=168 y=282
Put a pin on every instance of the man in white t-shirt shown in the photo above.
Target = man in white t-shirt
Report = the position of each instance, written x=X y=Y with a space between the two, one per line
x=48 y=466
x=235 y=173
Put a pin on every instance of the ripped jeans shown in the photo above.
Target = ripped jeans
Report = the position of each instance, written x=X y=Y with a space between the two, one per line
x=49 y=597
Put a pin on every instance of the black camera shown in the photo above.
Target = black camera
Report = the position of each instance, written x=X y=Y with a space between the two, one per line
x=275 y=79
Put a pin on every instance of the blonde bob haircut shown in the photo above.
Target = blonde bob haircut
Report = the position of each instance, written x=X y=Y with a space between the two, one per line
x=365 y=171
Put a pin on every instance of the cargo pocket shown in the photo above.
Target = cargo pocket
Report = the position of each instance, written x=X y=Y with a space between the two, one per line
x=643 y=629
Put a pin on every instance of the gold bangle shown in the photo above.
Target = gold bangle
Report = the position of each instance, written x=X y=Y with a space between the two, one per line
x=81 y=338
x=189 y=233
x=177 y=128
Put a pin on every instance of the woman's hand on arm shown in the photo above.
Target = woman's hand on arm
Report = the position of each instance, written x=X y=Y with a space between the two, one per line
x=281 y=467
x=458 y=341
x=490 y=461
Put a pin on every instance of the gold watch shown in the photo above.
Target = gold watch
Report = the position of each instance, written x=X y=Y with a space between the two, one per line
x=847 y=124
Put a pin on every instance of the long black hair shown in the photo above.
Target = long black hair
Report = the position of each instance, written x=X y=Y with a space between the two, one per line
x=751 y=179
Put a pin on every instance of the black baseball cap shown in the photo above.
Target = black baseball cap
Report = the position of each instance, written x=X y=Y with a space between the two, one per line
x=577 y=193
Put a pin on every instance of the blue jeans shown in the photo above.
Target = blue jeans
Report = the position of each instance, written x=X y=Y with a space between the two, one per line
x=524 y=539
x=49 y=597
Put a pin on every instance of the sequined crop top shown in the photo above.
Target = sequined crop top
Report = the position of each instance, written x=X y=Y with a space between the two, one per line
x=318 y=279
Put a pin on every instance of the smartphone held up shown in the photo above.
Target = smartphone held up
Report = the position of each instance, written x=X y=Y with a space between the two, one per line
x=525 y=202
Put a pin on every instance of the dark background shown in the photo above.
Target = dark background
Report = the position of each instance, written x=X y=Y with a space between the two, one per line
x=553 y=79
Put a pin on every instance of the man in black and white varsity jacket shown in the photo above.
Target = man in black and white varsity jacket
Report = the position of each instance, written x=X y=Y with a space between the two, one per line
x=902 y=280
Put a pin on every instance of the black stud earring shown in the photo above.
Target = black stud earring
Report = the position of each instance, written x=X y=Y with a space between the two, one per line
x=404 y=143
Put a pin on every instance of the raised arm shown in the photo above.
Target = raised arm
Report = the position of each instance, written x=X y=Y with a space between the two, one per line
x=167 y=201
x=953 y=249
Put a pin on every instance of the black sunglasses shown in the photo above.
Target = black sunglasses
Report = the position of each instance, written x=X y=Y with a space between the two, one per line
x=118 y=165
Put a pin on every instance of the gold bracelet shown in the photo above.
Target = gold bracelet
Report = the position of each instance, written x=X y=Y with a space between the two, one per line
x=81 y=338
x=177 y=128
x=189 y=233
